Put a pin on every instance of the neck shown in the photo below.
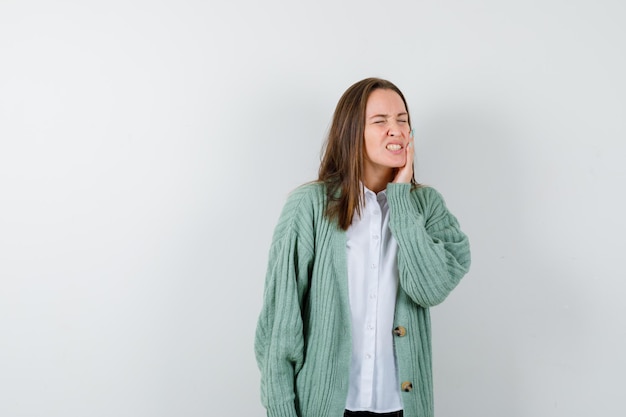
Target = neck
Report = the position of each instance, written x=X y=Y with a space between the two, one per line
x=377 y=181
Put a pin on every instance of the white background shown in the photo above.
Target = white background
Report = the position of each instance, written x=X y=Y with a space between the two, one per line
x=147 y=148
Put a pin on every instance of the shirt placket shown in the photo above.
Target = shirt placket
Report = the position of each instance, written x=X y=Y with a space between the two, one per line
x=369 y=351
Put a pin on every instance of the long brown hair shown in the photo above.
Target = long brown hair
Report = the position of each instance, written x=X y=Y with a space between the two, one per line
x=341 y=168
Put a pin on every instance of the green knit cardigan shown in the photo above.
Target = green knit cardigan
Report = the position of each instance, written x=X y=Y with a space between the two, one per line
x=303 y=343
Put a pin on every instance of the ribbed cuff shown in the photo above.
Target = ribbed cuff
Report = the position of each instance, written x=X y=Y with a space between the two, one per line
x=282 y=410
x=401 y=204
x=400 y=194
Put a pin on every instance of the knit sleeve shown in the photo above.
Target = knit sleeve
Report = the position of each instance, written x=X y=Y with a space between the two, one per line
x=433 y=252
x=279 y=341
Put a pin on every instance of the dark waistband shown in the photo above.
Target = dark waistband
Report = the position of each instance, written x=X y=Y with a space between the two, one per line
x=349 y=413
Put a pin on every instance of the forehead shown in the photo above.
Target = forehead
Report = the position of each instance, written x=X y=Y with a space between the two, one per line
x=383 y=101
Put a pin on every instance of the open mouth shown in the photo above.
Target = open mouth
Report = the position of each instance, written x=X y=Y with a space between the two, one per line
x=394 y=147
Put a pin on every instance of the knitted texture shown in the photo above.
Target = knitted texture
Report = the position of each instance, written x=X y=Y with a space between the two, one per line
x=303 y=339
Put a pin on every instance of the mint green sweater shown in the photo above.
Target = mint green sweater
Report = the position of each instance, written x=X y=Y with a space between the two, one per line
x=303 y=344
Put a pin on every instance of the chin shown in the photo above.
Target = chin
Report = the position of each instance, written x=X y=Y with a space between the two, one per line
x=397 y=164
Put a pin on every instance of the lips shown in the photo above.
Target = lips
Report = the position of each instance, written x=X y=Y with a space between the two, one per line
x=394 y=147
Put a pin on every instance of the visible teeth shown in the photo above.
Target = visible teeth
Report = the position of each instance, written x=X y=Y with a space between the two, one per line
x=394 y=147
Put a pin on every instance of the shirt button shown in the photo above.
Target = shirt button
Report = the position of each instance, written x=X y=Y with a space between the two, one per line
x=407 y=386
x=376 y=212
x=373 y=266
x=372 y=296
x=375 y=237
x=370 y=327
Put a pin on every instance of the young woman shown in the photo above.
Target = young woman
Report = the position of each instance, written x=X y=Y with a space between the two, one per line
x=356 y=260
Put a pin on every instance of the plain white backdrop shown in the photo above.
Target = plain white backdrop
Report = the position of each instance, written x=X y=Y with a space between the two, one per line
x=147 y=148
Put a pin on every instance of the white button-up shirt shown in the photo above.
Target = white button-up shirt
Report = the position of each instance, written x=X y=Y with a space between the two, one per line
x=373 y=285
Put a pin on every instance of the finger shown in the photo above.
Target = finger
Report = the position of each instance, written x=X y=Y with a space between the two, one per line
x=410 y=155
x=411 y=147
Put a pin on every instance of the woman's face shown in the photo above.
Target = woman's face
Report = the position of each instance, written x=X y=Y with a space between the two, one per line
x=387 y=133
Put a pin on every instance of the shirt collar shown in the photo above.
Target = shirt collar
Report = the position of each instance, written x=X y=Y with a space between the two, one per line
x=369 y=194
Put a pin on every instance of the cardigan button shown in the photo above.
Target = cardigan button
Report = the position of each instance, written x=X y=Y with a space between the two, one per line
x=407 y=386
x=399 y=331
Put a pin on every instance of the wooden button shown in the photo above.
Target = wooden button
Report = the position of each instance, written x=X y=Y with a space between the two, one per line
x=399 y=331
x=407 y=386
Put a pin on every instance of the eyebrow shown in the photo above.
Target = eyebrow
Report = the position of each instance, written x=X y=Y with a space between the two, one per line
x=386 y=116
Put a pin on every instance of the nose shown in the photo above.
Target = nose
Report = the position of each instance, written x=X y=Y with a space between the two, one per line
x=395 y=129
